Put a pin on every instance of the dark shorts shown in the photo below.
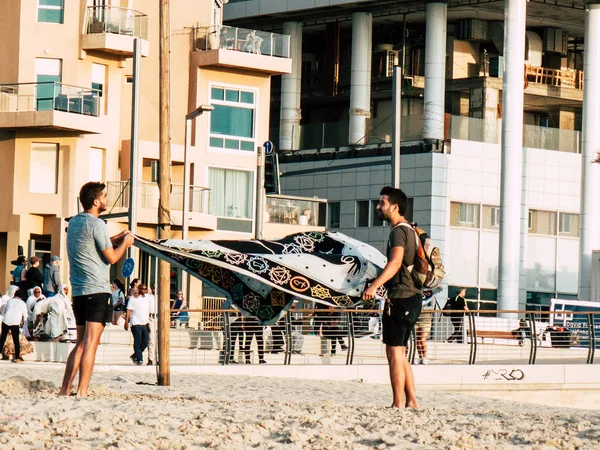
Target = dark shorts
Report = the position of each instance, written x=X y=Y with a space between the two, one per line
x=398 y=324
x=92 y=308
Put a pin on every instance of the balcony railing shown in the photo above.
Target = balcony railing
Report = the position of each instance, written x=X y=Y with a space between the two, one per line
x=296 y=210
x=116 y=20
x=242 y=40
x=48 y=96
x=335 y=134
x=118 y=196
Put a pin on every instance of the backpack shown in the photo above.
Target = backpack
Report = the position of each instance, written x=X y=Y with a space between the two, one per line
x=450 y=305
x=427 y=270
x=16 y=273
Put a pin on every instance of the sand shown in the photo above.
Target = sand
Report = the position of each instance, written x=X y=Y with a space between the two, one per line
x=126 y=410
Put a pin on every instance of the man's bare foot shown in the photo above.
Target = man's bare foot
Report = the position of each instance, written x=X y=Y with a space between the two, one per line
x=412 y=404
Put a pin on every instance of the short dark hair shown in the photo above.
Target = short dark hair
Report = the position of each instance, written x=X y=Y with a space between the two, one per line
x=396 y=197
x=89 y=192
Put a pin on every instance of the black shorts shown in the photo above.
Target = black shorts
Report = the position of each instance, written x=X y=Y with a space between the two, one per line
x=92 y=308
x=399 y=323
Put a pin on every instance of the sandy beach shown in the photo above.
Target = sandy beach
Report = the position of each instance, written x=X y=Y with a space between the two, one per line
x=127 y=410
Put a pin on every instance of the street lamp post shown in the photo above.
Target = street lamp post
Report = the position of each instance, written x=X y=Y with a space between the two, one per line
x=186 y=166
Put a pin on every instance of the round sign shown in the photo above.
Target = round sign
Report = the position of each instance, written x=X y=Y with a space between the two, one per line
x=268 y=146
x=127 y=268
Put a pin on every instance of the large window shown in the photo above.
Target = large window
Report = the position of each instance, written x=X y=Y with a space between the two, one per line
x=362 y=213
x=96 y=167
x=464 y=215
x=43 y=172
x=51 y=11
x=333 y=214
x=231 y=198
x=232 y=121
x=568 y=225
x=48 y=73
x=490 y=217
x=542 y=222
x=98 y=82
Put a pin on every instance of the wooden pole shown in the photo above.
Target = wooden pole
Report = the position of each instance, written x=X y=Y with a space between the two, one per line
x=164 y=185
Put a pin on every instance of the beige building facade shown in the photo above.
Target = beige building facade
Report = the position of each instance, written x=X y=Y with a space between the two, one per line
x=65 y=118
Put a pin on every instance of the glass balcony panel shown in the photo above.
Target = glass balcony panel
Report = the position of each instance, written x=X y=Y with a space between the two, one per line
x=117 y=20
x=242 y=40
x=148 y=195
x=48 y=96
x=295 y=210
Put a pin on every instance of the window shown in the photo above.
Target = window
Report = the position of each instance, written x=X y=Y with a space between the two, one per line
x=464 y=215
x=376 y=221
x=231 y=198
x=232 y=121
x=50 y=11
x=490 y=217
x=98 y=82
x=542 y=222
x=362 y=213
x=48 y=73
x=568 y=225
x=43 y=168
x=96 y=167
x=333 y=214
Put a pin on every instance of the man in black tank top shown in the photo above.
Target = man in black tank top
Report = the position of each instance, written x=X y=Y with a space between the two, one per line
x=403 y=306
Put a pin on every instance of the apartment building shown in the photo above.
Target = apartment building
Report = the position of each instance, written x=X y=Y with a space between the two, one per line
x=65 y=118
x=497 y=131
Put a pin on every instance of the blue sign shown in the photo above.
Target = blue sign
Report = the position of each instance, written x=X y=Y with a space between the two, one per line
x=127 y=268
x=268 y=146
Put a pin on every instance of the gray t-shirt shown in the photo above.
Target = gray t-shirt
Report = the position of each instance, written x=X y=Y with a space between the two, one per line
x=87 y=238
x=402 y=285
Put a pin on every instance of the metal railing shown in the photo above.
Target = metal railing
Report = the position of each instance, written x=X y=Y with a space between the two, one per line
x=118 y=195
x=48 y=96
x=335 y=134
x=296 y=210
x=352 y=337
x=116 y=20
x=241 y=40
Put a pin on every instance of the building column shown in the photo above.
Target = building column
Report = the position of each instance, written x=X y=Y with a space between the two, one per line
x=435 y=71
x=589 y=223
x=360 y=78
x=291 y=90
x=511 y=198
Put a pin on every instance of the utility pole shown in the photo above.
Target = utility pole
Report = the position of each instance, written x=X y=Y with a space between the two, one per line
x=260 y=192
x=164 y=186
x=396 y=129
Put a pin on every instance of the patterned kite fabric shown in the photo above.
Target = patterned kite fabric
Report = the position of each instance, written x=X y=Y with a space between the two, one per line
x=263 y=277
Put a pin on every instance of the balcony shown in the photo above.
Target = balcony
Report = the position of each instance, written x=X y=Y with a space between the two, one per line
x=224 y=46
x=335 y=134
x=49 y=105
x=287 y=214
x=118 y=199
x=112 y=29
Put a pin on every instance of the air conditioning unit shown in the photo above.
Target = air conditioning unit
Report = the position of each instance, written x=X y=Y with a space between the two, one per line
x=554 y=40
x=384 y=62
x=472 y=30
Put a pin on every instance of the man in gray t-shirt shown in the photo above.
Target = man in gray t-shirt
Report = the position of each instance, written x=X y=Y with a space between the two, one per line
x=87 y=238
x=90 y=252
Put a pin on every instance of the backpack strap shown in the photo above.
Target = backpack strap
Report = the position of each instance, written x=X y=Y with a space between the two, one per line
x=417 y=240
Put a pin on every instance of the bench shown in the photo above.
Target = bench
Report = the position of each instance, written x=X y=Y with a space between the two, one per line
x=495 y=334
x=498 y=328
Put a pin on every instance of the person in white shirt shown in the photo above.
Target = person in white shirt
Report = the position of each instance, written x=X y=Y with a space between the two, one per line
x=138 y=314
x=35 y=295
x=15 y=313
x=152 y=323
